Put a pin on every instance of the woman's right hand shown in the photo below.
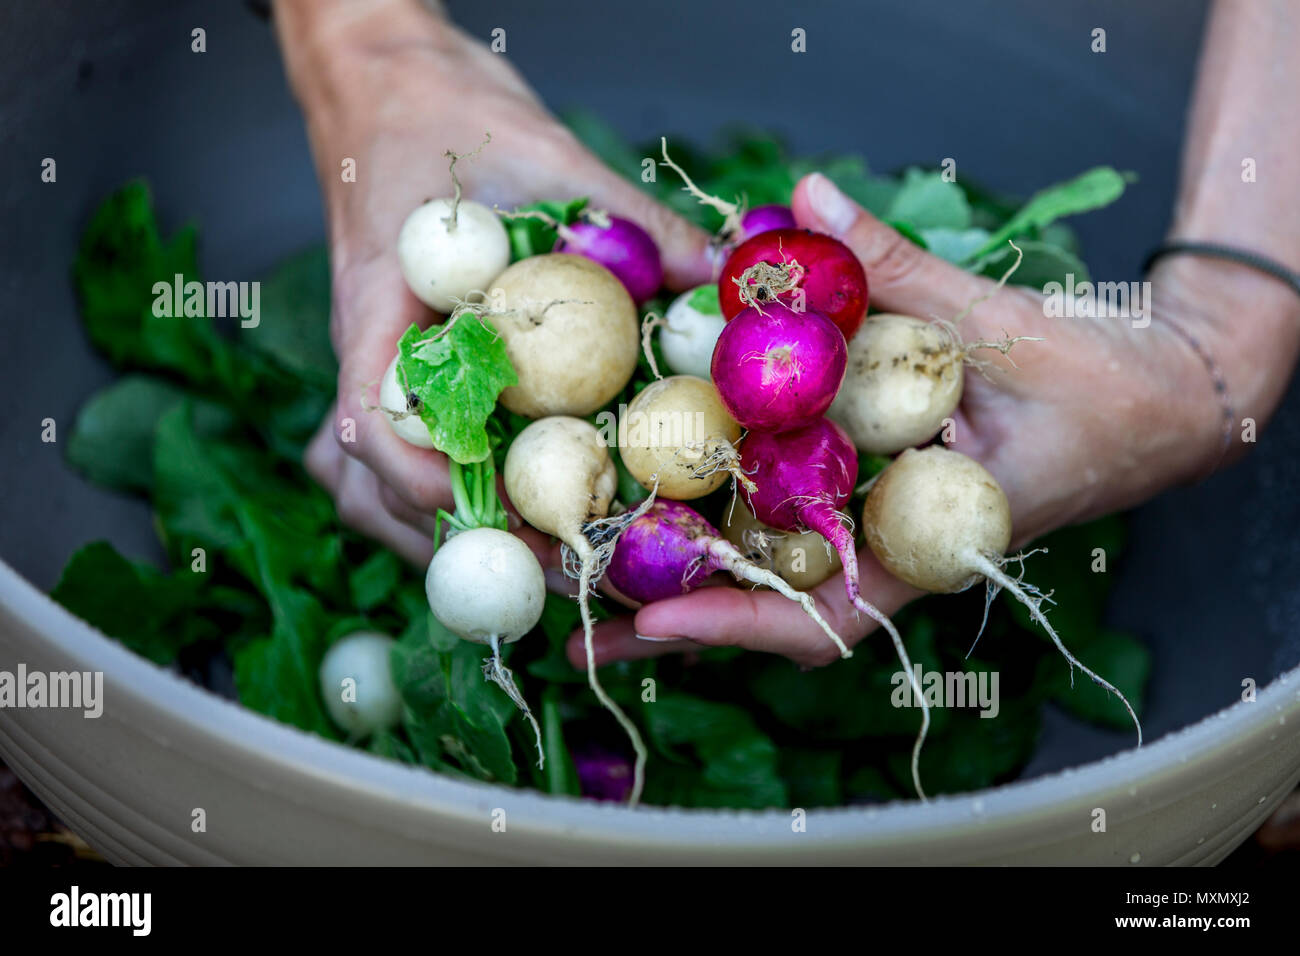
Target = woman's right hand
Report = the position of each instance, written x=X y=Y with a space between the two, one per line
x=386 y=89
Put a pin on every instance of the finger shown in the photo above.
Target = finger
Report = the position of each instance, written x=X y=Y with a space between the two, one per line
x=356 y=494
x=766 y=621
x=373 y=308
x=683 y=246
x=901 y=276
x=617 y=640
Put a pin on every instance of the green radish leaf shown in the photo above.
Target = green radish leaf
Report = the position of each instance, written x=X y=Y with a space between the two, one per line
x=534 y=237
x=928 y=201
x=456 y=372
x=385 y=743
x=973 y=752
x=908 y=230
x=1093 y=189
x=293 y=329
x=279 y=676
x=813 y=776
x=121 y=258
x=152 y=613
x=375 y=580
x=704 y=299
x=954 y=245
x=1042 y=263
x=738 y=761
x=561 y=774
x=112 y=440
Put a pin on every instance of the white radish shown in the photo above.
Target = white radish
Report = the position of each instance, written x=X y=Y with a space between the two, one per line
x=486 y=586
x=904 y=378
x=571 y=332
x=402 y=409
x=448 y=248
x=356 y=683
x=559 y=476
x=939 y=521
x=691 y=328
x=676 y=431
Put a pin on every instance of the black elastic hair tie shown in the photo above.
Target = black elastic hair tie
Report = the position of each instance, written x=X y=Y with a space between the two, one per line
x=1229 y=253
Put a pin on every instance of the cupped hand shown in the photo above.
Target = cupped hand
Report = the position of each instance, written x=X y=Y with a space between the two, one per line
x=1098 y=415
x=386 y=93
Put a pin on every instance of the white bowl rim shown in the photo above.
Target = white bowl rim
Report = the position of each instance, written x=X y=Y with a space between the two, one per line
x=900 y=821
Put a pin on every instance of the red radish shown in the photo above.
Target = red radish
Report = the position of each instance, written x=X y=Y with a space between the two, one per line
x=762 y=219
x=621 y=246
x=670 y=550
x=804 y=478
x=777 y=368
x=799 y=267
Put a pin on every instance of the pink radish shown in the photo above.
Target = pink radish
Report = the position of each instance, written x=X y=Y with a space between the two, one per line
x=777 y=369
x=804 y=478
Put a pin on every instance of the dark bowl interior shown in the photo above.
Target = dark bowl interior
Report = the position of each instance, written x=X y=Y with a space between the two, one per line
x=1009 y=88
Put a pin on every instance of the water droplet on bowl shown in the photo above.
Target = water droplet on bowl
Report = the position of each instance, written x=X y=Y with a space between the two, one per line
x=1135 y=858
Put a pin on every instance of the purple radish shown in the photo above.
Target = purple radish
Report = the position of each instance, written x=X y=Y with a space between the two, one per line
x=765 y=219
x=621 y=246
x=804 y=478
x=603 y=774
x=671 y=549
x=778 y=369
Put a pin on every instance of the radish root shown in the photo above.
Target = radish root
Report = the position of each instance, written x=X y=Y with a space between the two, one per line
x=822 y=517
x=723 y=457
x=763 y=282
x=455 y=180
x=652 y=321
x=591 y=563
x=992 y=570
x=731 y=211
x=497 y=672
x=739 y=567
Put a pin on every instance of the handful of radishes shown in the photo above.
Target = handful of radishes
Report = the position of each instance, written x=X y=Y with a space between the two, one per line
x=779 y=344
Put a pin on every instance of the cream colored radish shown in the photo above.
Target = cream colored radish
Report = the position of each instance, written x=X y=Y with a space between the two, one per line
x=560 y=478
x=939 y=521
x=801 y=559
x=571 y=332
x=356 y=683
x=904 y=377
x=486 y=586
x=676 y=431
x=691 y=328
x=449 y=248
x=401 y=411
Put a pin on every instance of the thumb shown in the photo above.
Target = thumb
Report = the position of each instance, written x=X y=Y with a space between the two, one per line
x=901 y=276
x=683 y=246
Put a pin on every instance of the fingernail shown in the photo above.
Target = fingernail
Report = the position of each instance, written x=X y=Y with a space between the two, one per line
x=656 y=640
x=836 y=211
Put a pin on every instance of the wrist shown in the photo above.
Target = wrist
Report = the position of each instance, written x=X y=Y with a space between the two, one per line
x=1239 y=336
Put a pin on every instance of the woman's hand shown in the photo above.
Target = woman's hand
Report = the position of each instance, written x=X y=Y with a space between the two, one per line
x=1099 y=415
x=387 y=88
